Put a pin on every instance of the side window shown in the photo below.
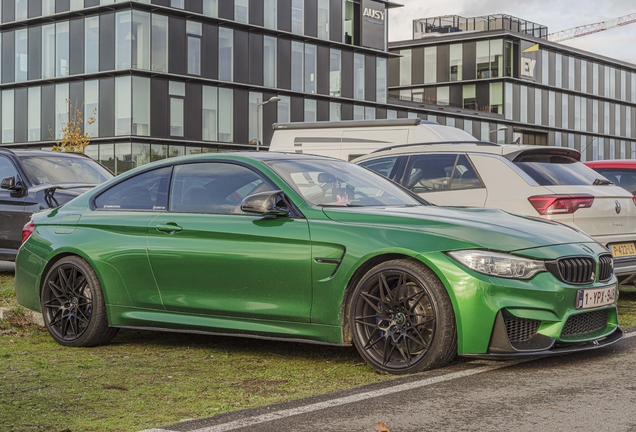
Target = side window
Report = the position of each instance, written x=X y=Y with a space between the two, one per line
x=382 y=166
x=147 y=191
x=429 y=172
x=213 y=188
x=438 y=172
x=7 y=169
x=465 y=176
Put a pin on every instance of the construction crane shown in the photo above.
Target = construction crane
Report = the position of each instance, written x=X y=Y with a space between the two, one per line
x=585 y=30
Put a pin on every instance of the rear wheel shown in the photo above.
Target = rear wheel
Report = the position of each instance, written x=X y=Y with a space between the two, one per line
x=402 y=319
x=73 y=306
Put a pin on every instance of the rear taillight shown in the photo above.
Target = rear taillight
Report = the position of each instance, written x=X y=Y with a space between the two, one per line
x=27 y=231
x=560 y=204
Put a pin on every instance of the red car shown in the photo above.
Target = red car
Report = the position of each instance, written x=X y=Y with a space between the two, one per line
x=619 y=171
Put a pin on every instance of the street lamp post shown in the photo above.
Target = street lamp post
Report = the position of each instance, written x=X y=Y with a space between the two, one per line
x=503 y=128
x=273 y=99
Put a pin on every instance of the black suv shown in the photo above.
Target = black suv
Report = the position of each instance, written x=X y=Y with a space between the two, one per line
x=32 y=180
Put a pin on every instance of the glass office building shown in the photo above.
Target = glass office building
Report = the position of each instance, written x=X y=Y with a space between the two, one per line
x=484 y=73
x=171 y=77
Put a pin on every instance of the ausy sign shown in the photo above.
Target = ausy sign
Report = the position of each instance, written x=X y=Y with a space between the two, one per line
x=373 y=19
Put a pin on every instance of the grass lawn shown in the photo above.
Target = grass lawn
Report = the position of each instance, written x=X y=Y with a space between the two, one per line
x=147 y=379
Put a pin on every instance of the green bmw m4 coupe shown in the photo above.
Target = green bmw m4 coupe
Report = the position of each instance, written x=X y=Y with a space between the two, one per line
x=307 y=248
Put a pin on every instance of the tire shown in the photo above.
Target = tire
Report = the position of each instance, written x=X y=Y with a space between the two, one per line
x=402 y=320
x=73 y=305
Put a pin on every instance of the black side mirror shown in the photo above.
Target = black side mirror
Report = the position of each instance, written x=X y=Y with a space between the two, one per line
x=10 y=184
x=266 y=203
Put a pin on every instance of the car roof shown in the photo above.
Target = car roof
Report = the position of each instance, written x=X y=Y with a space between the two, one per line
x=612 y=163
x=510 y=151
x=27 y=152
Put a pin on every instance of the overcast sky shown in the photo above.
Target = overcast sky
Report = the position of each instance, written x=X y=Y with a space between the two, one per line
x=558 y=15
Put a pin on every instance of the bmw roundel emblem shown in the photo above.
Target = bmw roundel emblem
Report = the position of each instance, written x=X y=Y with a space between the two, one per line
x=617 y=207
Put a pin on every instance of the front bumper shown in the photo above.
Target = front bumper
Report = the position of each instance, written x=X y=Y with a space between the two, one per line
x=625 y=270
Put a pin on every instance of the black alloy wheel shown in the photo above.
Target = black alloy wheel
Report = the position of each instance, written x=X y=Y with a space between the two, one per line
x=73 y=305
x=402 y=319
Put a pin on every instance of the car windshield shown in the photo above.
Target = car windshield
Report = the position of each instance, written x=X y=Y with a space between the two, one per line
x=60 y=169
x=340 y=183
x=552 y=170
x=624 y=178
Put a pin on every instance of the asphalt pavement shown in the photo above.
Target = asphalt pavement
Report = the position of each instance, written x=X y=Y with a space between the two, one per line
x=591 y=391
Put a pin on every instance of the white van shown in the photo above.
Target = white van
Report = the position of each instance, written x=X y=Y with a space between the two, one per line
x=350 y=139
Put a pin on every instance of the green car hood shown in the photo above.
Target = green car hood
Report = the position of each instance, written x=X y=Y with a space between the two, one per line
x=485 y=228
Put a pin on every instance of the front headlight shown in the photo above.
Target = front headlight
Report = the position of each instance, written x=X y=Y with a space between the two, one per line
x=499 y=264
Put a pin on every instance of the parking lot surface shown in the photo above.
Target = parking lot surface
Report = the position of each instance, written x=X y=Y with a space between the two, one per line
x=587 y=391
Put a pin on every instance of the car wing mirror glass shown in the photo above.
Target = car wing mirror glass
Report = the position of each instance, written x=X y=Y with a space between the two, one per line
x=9 y=183
x=269 y=203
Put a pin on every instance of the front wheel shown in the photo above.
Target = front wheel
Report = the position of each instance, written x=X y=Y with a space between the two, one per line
x=402 y=319
x=73 y=306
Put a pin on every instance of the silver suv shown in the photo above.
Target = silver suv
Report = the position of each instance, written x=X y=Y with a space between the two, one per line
x=546 y=182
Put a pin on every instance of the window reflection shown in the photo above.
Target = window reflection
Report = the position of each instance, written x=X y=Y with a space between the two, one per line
x=335 y=72
x=91 y=107
x=226 y=115
x=241 y=13
x=61 y=108
x=21 y=58
x=21 y=10
x=159 y=43
x=298 y=16
x=34 y=113
x=194 y=31
x=311 y=59
x=211 y=8
x=123 y=115
x=297 y=65
x=91 y=44
x=381 y=80
x=210 y=112
x=123 y=39
x=7 y=116
x=310 y=110
x=62 y=48
x=48 y=51
x=177 y=101
x=140 y=40
x=269 y=61
x=358 y=76
x=226 y=54
x=140 y=106
x=270 y=13
x=323 y=19
x=284 y=109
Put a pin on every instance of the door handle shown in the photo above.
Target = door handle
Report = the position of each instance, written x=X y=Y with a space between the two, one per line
x=169 y=228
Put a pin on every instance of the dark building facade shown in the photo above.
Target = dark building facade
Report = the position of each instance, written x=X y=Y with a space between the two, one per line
x=168 y=77
x=163 y=78
x=486 y=73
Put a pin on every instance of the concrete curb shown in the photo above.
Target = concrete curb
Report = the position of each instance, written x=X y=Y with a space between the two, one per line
x=31 y=316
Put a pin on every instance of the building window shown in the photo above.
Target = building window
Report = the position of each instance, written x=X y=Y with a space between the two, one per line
x=241 y=11
x=270 y=14
x=195 y=32
x=91 y=107
x=612 y=81
x=358 y=112
x=34 y=106
x=391 y=114
x=21 y=10
x=123 y=105
x=48 y=7
x=177 y=101
x=269 y=61
x=405 y=67
x=510 y=59
x=456 y=62
x=140 y=106
x=298 y=16
x=594 y=116
x=443 y=95
x=335 y=72
x=61 y=108
x=210 y=110
x=123 y=39
x=284 y=109
x=551 y=108
x=496 y=98
x=583 y=76
x=523 y=104
x=335 y=111
x=358 y=76
x=211 y=8
x=485 y=131
x=537 y=106
x=468 y=126
x=571 y=73
x=310 y=110
x=496 y=58
x=606 y=118
x=297 y=65
x=21 y=58
x=583 y=114
x=595 y=78
x=369 y=113
x=311 y=60
x=577 y=113
x=226 y=54
x=323 y=19
x=545 y=67
x=226 y=115
x=8 y=117
x=381 y=80
x=255 y=124
x=508 y=101
x=179 y=4
x=91 y=44
x=61 y=48
x=483 y=59
x=159 y=43
x=48 y=51
x=140 y=40
x=76 y=4
x=430 y=65
x=469 y=101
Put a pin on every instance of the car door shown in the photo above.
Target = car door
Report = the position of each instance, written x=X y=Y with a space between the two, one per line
x=210 y=258
x=121 y=216
x=446 y=179
x=13 y=215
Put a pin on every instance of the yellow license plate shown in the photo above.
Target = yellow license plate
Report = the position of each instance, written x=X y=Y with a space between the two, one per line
x=623 y=250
